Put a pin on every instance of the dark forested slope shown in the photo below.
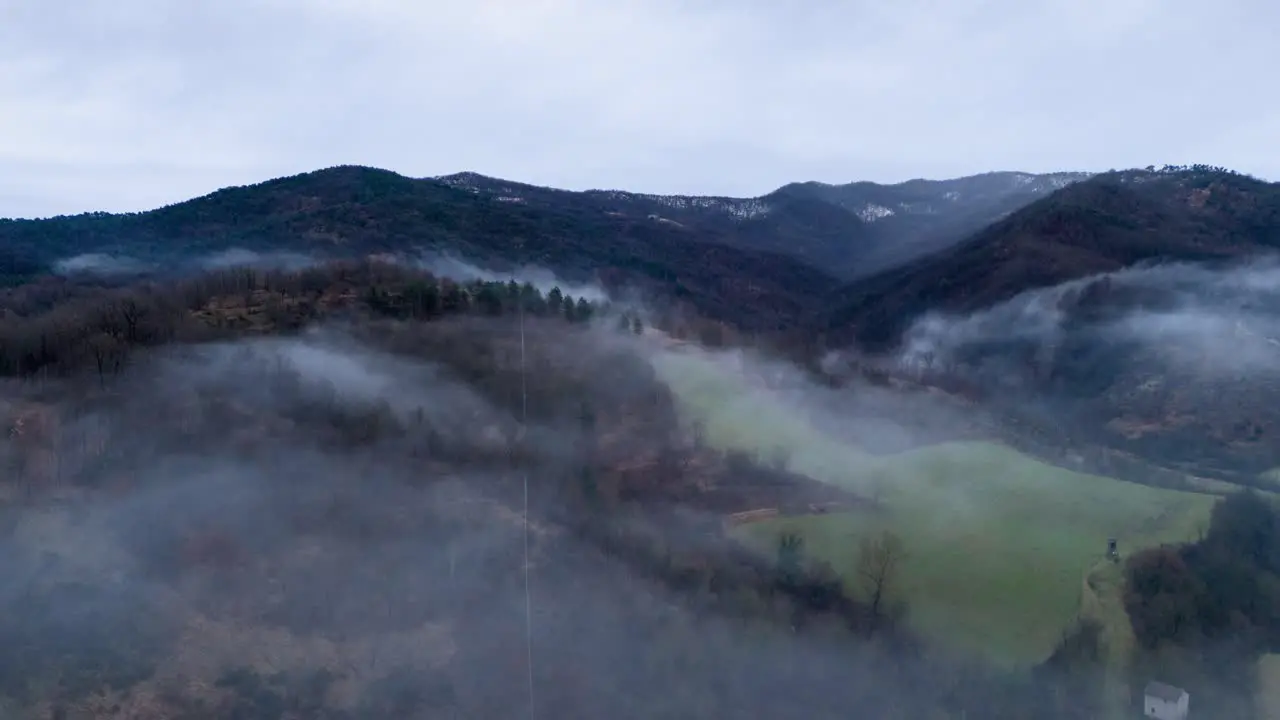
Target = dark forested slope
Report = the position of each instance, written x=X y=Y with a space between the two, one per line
x=916 y=218
x=1106 y=223
x=355 y=211
x=778 y=252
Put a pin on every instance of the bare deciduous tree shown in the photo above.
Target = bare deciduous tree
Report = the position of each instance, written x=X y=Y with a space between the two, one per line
x=879 y=560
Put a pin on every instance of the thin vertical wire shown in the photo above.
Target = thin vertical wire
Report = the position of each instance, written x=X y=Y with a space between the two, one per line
x=524 y=429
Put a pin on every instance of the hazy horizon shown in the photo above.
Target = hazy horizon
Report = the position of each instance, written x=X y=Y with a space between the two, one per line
x=710 y=98
x=209 y=191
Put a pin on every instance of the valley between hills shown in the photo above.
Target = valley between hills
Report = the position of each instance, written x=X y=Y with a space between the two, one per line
x=293 y=450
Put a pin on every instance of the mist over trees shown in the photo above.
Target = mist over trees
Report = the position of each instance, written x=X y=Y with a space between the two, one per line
x=298 y=495
x=1204 y=613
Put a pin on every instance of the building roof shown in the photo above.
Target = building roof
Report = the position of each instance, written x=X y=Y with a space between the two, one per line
x=1168 y=693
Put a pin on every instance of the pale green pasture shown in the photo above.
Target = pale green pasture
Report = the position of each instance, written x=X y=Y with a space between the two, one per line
x=998 y=541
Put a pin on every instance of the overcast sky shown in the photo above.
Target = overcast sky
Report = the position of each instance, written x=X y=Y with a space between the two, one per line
x=130 y=104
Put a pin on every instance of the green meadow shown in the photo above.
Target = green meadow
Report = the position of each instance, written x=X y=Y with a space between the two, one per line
x=1269 y=687
x=998 y=542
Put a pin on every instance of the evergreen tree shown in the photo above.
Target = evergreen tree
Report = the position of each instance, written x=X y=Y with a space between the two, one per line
x=423 y=299
x=532 y=299
x=454 y=298
x=489 y=300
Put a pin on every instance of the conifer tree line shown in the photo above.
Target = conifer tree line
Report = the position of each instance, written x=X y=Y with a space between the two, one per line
x=58 y=327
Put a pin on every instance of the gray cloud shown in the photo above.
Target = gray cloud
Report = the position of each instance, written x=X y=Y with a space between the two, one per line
x=99 y=264
x=133 y=104
x=455 y=268
x=1213 y=323
x=107 y=264
x=239 y=257
x=364 y=562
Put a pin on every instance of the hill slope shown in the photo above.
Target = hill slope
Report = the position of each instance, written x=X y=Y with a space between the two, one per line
x=846 y=231
x=342 y=523
x=355 y=211
x=916 y=218
x=851 y=230
x=1100 y=225
x=1177 y=363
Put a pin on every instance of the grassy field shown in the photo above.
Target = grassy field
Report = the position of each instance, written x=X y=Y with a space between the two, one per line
x=1269 y=687
x=1103 y=602
x=999 y=542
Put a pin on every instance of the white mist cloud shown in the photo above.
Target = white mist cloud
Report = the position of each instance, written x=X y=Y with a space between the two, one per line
x=239 y=257
x=1205 y=320
x=107 y=264
x=1035 y=316
x=100 y=264
x=328 y=363
x=451 y=266
x=768 y=403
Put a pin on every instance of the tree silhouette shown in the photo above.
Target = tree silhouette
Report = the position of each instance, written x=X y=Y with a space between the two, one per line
x=879 y=560
x=790 y=556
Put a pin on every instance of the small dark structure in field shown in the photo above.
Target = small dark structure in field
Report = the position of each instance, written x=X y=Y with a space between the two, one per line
x=1112 y=553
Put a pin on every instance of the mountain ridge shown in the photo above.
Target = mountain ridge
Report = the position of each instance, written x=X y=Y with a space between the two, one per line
x=891 y=222
x=849 y=230
x=353 y=211
x=1135 y=311
x=763 y=262
x=1110 y=222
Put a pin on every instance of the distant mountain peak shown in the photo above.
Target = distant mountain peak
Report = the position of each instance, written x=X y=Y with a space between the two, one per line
x=853 y=229
x=848 y=231
x=737 y=208
x=466 y=179
x=508 y=191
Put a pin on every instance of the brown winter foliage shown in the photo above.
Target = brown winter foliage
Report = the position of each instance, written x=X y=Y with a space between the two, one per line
x=1204 y=612
x=246 y=521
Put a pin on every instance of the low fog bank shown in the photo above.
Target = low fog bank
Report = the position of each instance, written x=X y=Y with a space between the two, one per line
x=329 y=525
x=104 y=264
x=1222 y=320
x=123 y=265
x=750 y=388
x=308 y=506
x=240 y=257
x=454 y=267
x=1177 y=363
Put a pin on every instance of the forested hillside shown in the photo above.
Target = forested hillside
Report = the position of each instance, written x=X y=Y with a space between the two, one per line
x=352 y=212
x=1103 y=224
x=214 y=512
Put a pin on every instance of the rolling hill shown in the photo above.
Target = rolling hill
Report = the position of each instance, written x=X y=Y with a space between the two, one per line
x=1134 y=311
x=356 y=211
x=777 y=263
x=916 y=218
x=805 y=236
x=240 y=513
x=1107 y=223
